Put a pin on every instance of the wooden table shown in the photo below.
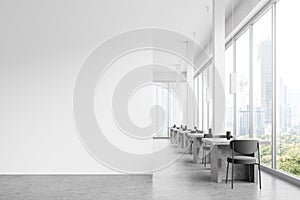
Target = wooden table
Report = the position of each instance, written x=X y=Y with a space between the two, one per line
x=177 y=135
x=172 y=133
x=220 y=151
x=196 y=139
x=183 y=141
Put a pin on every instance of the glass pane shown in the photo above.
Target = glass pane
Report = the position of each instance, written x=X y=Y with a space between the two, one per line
x=200 y=102
x=242 y=71
x=288 y=87
x=262 y=84
x=174 y=108
x=210 y=96
x=228 y=96
x=195 y=111
x=205 y=102
x=162 y=100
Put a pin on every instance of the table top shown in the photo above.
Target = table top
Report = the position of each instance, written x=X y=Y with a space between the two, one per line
x=224 y=141
x=184 y=131
x=196 y=135
x=216 y=141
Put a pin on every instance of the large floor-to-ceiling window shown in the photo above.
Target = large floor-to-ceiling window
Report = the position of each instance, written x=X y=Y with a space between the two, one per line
x=263 y=84
x=196 y=111
x=255 y=66
x=203 y=93
x=205 y=96
x=227 y=85
x=263 y=56
x=200 y=100
x=165 y=96
x=288 y=86
x=242 y=97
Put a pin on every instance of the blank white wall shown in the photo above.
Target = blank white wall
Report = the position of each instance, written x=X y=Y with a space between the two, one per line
x=43 y=44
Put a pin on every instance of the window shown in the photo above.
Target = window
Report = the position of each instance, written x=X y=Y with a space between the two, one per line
x=174 y=106
x=262 y=84
x=259 y=39
x=165 y=96
x=242 y=71
x=162 y=98
x=228 y=96
x=288 y=87
x=205 y=104
x=196 y=94
x=200 y=101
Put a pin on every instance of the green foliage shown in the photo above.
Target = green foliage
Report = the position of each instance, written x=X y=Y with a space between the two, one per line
x=266 y=154
x=288 y=152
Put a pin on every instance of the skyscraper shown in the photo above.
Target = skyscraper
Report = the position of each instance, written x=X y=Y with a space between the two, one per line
x=265 y=55
x=282 y=106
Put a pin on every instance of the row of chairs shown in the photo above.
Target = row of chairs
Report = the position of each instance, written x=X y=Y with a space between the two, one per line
x=243 y=152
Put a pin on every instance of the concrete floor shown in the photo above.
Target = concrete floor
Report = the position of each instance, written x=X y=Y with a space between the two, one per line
x=182 y=180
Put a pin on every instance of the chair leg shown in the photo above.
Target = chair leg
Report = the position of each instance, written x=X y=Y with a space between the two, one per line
x=259 y=176
x=202 y=156
x=227 y=171
x=205 y=159
x=232 y=175
x=249 y=168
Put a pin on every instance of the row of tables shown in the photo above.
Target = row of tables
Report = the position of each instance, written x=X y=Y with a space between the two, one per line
x=219 y=151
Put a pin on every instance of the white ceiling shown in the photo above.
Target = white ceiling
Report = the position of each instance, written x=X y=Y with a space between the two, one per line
x=231 y=5
x=64 y=28
x=191 y=17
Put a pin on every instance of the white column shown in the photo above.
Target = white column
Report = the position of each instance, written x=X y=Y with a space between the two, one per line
x=219 y=66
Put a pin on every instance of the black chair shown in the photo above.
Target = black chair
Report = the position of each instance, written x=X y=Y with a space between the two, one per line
x=246 y=150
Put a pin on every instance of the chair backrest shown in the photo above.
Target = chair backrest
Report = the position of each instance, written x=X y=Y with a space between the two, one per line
x=208 y=136
x=219 y=136
x=214 y=136
x=245 y=147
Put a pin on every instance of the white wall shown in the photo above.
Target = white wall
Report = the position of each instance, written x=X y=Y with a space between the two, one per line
x=43 y=44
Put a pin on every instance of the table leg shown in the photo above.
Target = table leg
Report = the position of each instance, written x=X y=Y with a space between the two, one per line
x=196 y=149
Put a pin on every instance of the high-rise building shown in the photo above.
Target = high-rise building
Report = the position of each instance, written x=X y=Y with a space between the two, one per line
x=258 y=119
x=244 y=121
x=265 y=55
x=282 y=106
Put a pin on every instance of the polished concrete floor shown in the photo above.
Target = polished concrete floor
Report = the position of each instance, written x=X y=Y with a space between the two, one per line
x=182 y=180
